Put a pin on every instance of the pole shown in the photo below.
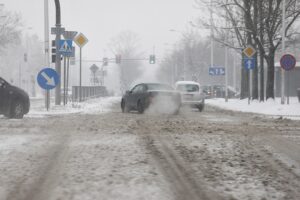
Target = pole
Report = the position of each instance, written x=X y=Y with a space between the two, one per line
x=47 y=60
x=226 y=74
x=58 y=61
x=65 y=78
x=80 y=71
x=68 y=71
x=211 y=36
x=283 y=52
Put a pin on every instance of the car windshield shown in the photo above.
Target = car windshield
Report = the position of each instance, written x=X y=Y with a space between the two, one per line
x=188 y=88
x=157 y=86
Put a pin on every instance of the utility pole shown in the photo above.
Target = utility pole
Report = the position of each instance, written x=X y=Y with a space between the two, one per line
x=58 y=61
x=283 y=52
x=211 y=36
x=47 y=61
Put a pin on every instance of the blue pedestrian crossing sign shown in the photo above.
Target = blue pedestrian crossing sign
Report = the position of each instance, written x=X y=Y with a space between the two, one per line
x=65 y=46
x=249 y=63
x=48 y=78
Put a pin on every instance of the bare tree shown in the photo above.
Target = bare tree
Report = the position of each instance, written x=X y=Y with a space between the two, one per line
x=10 y=28
x=265 y=33
x=127 y=45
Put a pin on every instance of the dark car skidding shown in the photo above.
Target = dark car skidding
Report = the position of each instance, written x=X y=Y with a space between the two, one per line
x=153 y=96
x=14 y=102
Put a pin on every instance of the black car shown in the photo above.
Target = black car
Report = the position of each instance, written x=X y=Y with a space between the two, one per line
x=159 y=97
x=14 y=102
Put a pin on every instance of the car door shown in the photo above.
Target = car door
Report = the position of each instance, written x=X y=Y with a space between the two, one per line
x=4 y=96
x=131 y=99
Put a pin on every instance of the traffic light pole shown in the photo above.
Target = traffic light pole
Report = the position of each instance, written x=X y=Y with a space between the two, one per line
x=58 y=61
x=47 y=61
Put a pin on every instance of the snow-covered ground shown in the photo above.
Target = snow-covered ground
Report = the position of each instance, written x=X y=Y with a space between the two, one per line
x=272 y=108
x=92 y=106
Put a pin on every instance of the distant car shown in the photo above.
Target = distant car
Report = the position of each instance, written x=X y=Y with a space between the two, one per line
x=156 y=95
x=219 y=91
x=14 y=102
x=191 y=94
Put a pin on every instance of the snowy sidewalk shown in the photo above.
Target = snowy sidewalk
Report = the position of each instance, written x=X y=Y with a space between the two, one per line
x=92 y=106
x=272 y=108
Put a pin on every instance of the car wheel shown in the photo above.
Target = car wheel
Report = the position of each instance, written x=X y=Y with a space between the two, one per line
x=176 y=112
x=140 y=107
x=124 y=107
x=200 y=107
x=17 y=110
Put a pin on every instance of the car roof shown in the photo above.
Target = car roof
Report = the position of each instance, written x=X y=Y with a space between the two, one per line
x=186 y=83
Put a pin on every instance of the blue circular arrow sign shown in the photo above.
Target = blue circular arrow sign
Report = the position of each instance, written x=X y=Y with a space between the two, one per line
x=48 y=78
x=288 y=62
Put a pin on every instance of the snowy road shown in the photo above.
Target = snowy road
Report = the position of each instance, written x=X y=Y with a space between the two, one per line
x=211 y=155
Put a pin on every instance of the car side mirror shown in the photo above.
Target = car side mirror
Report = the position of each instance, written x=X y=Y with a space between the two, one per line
x=128 y=92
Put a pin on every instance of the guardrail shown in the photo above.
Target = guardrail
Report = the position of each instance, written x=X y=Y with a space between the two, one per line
x=88 y=92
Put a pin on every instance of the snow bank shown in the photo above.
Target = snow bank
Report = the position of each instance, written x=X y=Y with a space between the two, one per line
x=92 y=106
x=272 y=108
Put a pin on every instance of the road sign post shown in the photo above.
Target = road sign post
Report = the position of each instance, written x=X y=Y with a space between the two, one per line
x=249 y=64
x=81 y=41
x=287 y=63
x=48 y=78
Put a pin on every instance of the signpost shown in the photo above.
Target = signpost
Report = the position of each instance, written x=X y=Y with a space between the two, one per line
x=287 y=63
x=249 y=64
x=48 y=78
x=216 y=71
x=81 y=41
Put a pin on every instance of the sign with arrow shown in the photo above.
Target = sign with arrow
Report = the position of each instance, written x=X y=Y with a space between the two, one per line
x=216 y=71
x=48 y=79
x=249 y=63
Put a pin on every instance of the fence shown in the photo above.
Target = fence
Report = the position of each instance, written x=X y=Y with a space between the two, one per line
x=88 y=92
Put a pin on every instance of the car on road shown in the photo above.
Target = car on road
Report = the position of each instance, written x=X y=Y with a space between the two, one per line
x=191 y=94
x=14 y=102
x=159 y=97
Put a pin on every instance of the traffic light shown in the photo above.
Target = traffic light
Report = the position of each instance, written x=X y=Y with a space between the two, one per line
x=53 y=51
x=152 y=59
x=118 y=59
x=105 y=61
x=25 y=57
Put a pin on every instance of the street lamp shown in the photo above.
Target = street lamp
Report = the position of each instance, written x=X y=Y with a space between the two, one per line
x=184 y=51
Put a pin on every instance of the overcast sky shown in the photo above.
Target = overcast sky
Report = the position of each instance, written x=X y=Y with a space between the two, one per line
x=100 y=20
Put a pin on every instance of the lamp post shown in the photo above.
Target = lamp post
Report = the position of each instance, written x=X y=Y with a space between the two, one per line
x=58 y=61
x=283 y=52
x=184 y=51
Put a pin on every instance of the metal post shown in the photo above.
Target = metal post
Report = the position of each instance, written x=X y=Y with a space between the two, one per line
x=226 y=74
x=80 y=70
x=211 y=36
x=68 y=74
x=65 y=78
x=58 y=61
x=283 y=52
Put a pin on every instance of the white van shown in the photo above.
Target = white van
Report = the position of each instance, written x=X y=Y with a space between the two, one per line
x=191 y=94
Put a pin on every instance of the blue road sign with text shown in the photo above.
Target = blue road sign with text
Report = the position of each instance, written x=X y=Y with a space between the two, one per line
x=216 y=71
x=249 y=63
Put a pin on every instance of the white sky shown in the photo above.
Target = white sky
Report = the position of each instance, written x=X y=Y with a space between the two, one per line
x=100 y=20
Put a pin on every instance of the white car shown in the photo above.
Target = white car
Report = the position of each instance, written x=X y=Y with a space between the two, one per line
x=191 y=94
